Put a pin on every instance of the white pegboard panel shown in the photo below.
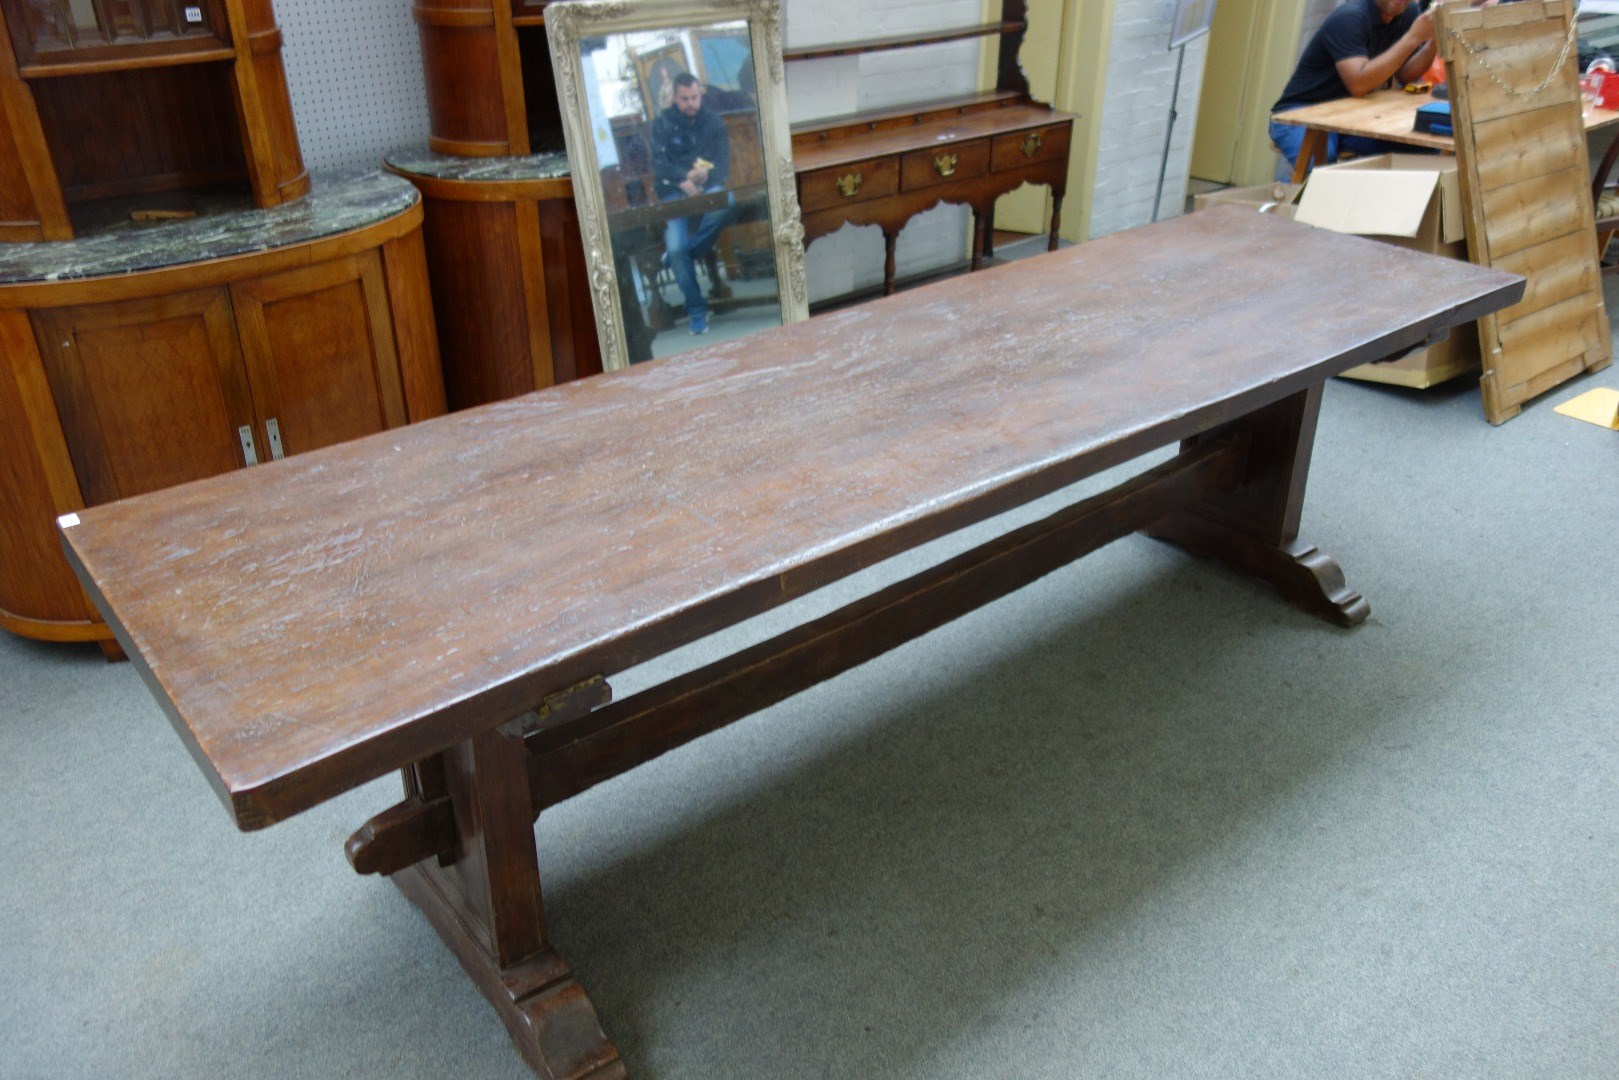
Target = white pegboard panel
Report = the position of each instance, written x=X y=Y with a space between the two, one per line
x=354 y=69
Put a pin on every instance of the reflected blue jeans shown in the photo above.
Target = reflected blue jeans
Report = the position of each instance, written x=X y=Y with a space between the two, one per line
x=1289 y=138
x=687 y=239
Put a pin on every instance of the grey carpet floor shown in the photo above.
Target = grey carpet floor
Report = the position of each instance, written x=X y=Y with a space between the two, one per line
x=1138 y=820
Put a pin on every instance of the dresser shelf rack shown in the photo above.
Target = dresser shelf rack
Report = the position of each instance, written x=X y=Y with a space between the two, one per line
x=883 y=167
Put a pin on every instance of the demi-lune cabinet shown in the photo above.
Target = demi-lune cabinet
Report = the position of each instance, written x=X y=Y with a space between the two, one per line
x=157 y=391
x=504 y=247
x=511 y=293
x=112 y=386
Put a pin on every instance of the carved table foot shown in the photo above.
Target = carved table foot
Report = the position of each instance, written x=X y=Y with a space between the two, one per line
x=1307 y=578
x=545 y=1010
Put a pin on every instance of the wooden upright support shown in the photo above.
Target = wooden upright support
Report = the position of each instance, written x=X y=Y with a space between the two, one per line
x=483 y=898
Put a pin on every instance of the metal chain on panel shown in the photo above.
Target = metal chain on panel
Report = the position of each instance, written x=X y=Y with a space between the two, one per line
x=1478 y=55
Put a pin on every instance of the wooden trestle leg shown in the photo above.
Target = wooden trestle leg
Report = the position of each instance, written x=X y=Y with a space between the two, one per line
x=1254 y=527
x=470 y=807
x=461 y=845
x=1312 y=152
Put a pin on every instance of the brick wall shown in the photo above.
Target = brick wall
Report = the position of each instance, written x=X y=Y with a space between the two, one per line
x=1135 y=116
x=853 y=258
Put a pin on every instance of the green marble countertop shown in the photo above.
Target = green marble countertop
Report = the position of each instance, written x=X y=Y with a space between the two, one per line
x=338 y=202
x=549 y=164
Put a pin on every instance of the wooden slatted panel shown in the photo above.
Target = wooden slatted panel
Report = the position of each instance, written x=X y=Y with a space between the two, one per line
x=1557 y=271
x=1517 y=148
x=1558 y=333
x=1522 y=55
x=1524 y=177
x=1532 y=211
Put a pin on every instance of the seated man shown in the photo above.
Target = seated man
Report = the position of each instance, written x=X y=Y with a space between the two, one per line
x=1362 y=45
x=691 y=155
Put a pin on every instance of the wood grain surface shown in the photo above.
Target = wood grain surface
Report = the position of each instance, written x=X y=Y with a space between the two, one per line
x=312 y=624
x=815 y=152
x=1390 y=114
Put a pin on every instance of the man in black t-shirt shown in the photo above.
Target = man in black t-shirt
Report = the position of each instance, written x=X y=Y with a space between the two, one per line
x=1362 y=45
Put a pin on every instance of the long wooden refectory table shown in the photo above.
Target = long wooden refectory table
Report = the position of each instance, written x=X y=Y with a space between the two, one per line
x=449 y=599
x=1384 y=114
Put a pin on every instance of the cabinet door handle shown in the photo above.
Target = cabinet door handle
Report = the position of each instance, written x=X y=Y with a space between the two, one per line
x=245 y=433
x=273 y=428
x=850 y=185
x=946 y=164
x=1032 y=144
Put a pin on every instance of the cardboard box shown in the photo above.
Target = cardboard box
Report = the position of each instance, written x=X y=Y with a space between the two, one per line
x=1414 y=201
x=1275 y=198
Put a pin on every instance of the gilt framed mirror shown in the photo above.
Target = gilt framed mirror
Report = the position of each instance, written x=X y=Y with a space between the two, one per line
x=675 y=114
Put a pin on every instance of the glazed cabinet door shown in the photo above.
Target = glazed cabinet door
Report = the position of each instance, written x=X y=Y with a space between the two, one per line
x=52 y=32
x=320 y=353
x=150 y=393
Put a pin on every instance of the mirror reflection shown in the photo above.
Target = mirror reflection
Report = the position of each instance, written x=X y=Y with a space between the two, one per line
x=675 y=121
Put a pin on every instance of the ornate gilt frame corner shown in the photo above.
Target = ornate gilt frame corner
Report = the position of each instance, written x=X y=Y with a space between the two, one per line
x=568 y=21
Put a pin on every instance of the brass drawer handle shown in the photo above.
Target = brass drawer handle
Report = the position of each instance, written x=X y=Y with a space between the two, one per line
x=1032 y=144
x=945 y=164
x=850 y=185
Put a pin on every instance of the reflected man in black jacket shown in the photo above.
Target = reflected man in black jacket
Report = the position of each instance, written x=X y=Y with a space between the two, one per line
x=691 y=155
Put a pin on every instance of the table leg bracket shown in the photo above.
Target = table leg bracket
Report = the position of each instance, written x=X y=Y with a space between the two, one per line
x=572 y=757
x=403 y=835
x=1306 y=577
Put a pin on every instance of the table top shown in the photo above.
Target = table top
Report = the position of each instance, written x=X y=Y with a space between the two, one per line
x=337 y=202
x=1389 y=114
x=748 y=200
x=314 y=623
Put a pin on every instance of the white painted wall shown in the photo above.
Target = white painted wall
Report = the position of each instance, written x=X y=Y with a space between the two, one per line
x=1135 y=117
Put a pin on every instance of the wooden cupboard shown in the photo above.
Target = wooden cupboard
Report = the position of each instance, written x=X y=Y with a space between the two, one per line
x=111 y=387
x=490 y=89
x=130 y=99
x=154 y=392
x=511 y=293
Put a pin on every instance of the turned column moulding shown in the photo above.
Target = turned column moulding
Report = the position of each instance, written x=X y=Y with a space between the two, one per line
x=488 y=76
